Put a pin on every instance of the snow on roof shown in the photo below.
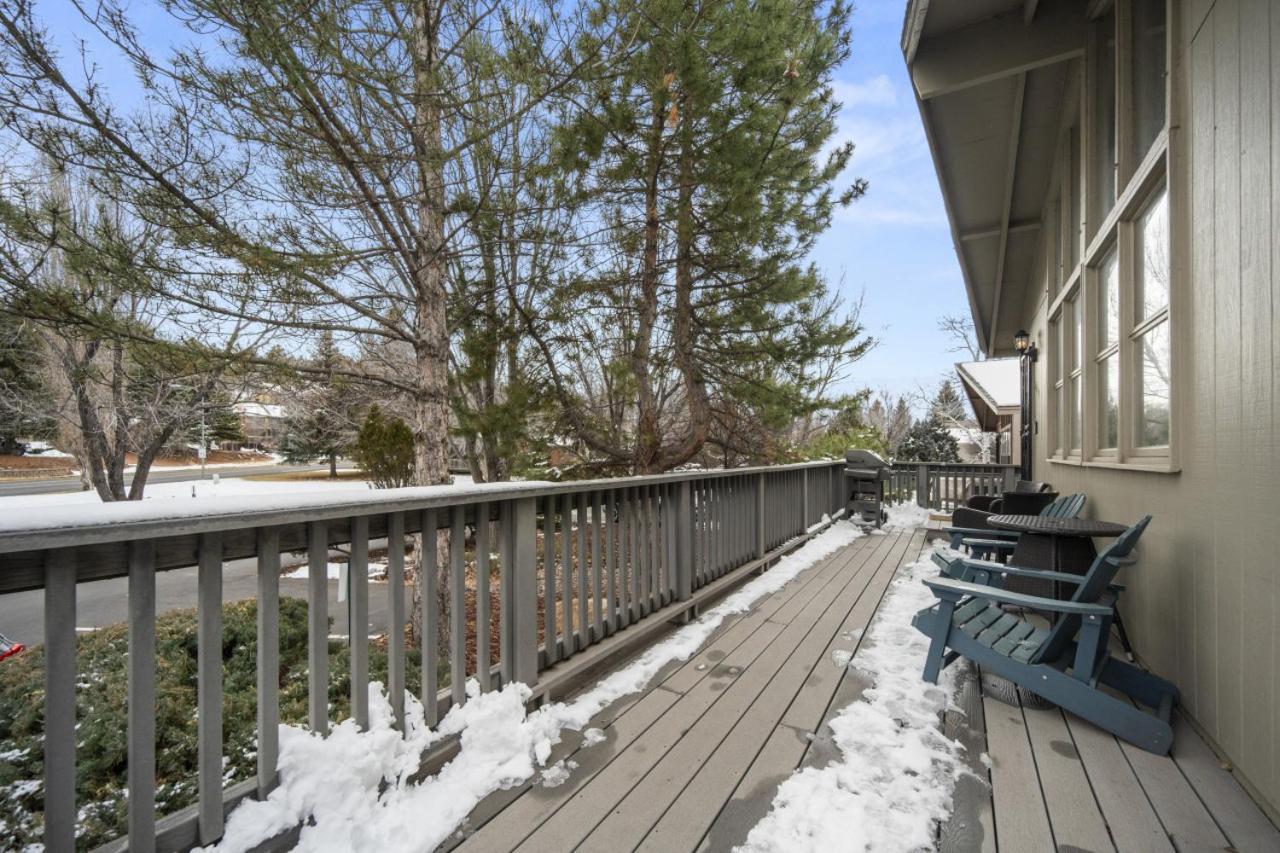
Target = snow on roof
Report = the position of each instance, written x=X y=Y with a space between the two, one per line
x=997 y=380
x=258 y=410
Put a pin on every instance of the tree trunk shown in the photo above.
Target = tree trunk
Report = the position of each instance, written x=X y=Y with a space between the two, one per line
x=648 y=440
x=333 y=465
x=431 y=333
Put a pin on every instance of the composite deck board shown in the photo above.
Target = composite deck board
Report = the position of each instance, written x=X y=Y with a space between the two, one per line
x=809 y=677
x=735 y=644
x=694 y=760
x=752 y=791
x=1022 y=821
x=1073 y=810
x=1238 y=816
x=971 y=827
x=725 y=698
x=1133 y=822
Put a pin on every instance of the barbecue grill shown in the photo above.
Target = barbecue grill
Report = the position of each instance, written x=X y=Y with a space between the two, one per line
x=865 y=474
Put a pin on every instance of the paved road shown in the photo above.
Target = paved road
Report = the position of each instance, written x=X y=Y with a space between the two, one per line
x=158 y=475
x=106 y=602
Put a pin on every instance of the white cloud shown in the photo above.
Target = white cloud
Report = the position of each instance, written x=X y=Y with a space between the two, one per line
x=877 y=91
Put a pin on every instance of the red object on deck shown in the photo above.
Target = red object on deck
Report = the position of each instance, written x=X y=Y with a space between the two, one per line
x=9 y=648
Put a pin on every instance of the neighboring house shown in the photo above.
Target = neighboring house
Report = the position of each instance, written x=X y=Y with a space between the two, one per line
x=994 y=391
x=263 y=423
x=1111 y=171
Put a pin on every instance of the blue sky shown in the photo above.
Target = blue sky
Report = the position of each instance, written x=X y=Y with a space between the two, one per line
x=893 y=246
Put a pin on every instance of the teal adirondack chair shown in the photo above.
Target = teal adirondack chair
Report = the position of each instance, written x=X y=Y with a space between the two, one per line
x=983 y=542
x=1066 y=663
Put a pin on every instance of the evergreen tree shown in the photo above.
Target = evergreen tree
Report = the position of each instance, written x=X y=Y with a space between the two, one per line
x=928 y=441
x=699 y=157
x=323 y=422
x=384 y=450
x=23 y=411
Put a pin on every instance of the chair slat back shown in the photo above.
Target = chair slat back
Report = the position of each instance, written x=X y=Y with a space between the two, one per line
x=1095 y=583
x=1067 y=506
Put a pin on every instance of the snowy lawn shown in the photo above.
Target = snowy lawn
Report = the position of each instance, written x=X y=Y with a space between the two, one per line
x=350 y=788
x=893 y=782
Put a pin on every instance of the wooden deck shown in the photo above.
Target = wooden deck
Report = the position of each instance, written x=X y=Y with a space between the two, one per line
x=693 y=762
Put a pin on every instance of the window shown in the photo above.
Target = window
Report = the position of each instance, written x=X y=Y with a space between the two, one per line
x=1102 y=95
x=1108 y=353
x=1151 y=332
x=1148 y=30
x=1111 y=399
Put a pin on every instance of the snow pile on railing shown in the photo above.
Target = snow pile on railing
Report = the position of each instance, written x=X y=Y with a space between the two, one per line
x=894 y=780
x=351 y=790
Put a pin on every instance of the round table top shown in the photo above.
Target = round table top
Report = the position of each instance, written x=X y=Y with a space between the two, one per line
x=1081 y=527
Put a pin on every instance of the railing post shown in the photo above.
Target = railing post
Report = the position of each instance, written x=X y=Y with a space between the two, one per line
x=269 y=658
x=760 y=514
x=520 y=597
x=1010 y=478
x=684 y=541
x=209 y=687
x=922 y=486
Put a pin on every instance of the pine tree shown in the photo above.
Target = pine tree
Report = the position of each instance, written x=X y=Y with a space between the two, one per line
x=384 y=450
x=324 y=414
x=700 y=157
x=23 y=412
x=928 y=441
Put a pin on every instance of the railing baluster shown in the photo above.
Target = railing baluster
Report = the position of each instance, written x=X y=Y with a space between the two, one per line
x=655 y=551
x=566 y=570
x=458 y=606
x=317 y=626
x=482 y=596
x=633 y=552
x=268 y=657
x=142 y=697
x=584 y=624
x=610 y=563
x=395 y=616
x=358 y=619
x=509 y=604
x=624 y=559
x=551 y=627
x=428 y=565
x=597 y=573
x=209 y=685
x=59 y=700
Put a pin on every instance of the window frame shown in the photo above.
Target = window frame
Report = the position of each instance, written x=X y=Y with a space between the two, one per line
x=1137 y=185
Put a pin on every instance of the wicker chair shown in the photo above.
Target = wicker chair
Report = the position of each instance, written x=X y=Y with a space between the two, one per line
x=1028 y=497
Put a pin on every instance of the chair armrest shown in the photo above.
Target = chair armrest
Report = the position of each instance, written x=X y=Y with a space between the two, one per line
x=953 y=590
x=986 y=534
x=1020 y=572
x=997 y=544
x=982 y=502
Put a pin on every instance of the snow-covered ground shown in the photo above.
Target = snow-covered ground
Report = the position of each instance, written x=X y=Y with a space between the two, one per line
x=350 y=790
x=210 y=487
x=897 y=771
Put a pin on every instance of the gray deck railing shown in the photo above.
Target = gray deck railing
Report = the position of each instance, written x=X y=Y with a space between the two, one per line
x=945 y=485
x=578 y=564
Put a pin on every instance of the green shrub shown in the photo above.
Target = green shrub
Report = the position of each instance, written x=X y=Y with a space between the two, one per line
x=102 y=732
x=384 y=450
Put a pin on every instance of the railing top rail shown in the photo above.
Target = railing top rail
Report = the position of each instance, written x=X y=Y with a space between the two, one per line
x=956 y=465
x=63 y=527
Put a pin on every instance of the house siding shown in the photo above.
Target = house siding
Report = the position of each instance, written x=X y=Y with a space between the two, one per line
x=1203 y=605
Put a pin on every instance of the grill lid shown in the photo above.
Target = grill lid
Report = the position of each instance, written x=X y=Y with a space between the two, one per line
x=864 y=459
